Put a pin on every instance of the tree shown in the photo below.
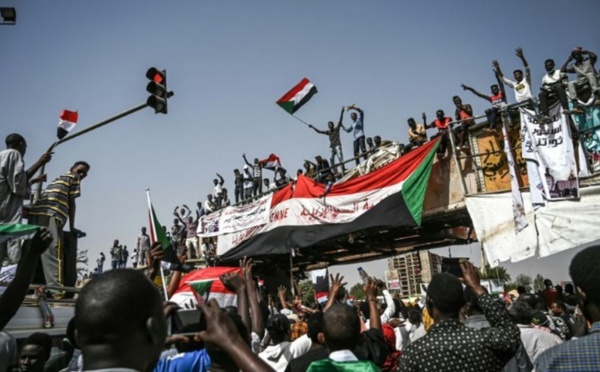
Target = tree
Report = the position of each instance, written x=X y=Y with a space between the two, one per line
x=522 y=280
x=538 y=283
x=306 y=287
x=357 y=291
x=497 y=272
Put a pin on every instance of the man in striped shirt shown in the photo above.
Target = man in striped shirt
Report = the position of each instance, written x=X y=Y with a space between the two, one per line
x=53 y=209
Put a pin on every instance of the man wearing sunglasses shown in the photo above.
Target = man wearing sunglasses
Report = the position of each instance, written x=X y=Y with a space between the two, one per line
x=53 y=209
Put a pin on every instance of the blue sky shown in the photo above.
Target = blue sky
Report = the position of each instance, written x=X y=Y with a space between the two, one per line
x=228 y=62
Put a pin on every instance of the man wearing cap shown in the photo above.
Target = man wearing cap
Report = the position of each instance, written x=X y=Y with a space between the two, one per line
x=14 y=184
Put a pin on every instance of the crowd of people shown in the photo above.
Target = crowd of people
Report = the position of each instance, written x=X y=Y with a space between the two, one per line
x=121 y=321
x=250 y=183
x=458 y=327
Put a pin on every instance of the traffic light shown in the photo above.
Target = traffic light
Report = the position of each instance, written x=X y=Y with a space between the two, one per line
x=158 y=88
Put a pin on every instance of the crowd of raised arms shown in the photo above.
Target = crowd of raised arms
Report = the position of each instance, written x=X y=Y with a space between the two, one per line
x=249 y=183
x=122 y=324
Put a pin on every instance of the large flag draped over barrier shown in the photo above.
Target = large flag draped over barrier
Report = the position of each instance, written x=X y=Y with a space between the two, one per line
x=301 y=215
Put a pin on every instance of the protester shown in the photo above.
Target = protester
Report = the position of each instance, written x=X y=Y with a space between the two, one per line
x=222 y=332
x=192 y=245
x=497 y=99
x=464 y=115
x=120 y=326
x=143 y=246
x=522 y=83
x=15 y=182
x=586 y=73
x=225 y=202
x=256 y=175
x=248 y=182
x=442 y=123
x=124 y=257
x=341 y=332
x=582 y=354
x=115 y=254
x=218 y=189
x=35 y=352
x=281 y=351
x=553 y=83
x=323 y=169
x=456 y=347
x=317 y=349
x=209 y=204
x=238 y=186
x=534 y=340
x=178 y=232
x=417 y=135
x=358 y=129
x=100 y=263
x=55 y=206
x=335 y=145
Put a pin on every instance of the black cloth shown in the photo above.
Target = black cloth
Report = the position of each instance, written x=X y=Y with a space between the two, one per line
x=301 y=363
x=373 y=347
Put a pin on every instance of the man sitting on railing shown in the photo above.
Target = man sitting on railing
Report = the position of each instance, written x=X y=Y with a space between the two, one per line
x=586 y=73
x=417 y=135
x=463 y=113
x=281 y=178
x=553 y=83
x=323 y=169
x=442 y=123
x=497 y=99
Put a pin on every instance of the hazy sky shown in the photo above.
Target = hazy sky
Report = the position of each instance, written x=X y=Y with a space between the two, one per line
x=228 y=62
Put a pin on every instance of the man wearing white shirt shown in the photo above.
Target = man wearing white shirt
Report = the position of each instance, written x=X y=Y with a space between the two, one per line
x=552 y=83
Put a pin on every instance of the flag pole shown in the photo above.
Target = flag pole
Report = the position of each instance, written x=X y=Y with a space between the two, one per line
x=89 y=129
x=38 y=190
x=300 y=120
x=164 y=284
x=154 y=238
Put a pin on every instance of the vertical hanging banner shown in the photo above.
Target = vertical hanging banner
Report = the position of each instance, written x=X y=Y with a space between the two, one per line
x=550 y=145
x=517 y=198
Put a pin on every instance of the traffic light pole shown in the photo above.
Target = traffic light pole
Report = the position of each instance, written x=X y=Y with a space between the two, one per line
x=89 y=129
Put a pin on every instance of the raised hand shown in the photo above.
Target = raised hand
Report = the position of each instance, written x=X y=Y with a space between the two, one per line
x=371 y=289
x=233 y=282
x=336 y=284
x=220 y=330
x=470 y=274
x=246 y=265
x=519 y=52
x=281 y=291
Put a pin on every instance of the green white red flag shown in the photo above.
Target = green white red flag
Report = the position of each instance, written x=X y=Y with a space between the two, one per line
x=66 y=123
x=297 y=96
x=201 y=290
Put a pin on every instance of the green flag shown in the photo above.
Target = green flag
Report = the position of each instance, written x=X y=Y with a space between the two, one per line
x=201 y=289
